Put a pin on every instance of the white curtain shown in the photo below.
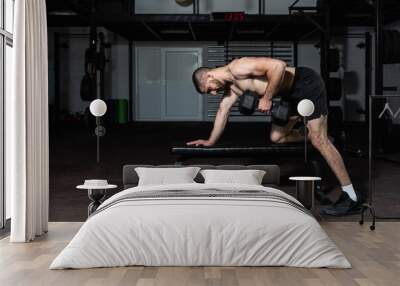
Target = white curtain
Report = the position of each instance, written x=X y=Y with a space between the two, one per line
x=27 y=124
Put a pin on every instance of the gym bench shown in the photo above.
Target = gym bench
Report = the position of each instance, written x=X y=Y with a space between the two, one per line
x=295 y=150
x=190 y=152
x=186 y=152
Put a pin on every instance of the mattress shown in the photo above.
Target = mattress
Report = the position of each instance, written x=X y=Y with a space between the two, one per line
x=201 y=225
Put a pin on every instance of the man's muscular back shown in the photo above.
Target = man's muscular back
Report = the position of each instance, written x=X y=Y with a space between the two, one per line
x=244 y=79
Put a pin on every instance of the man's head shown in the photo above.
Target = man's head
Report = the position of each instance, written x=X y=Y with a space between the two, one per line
x=205 y=82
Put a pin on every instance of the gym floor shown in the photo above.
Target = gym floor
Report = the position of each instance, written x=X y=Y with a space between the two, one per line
x=73 y=159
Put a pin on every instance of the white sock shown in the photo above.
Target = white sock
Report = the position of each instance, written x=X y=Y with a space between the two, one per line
x=350 y=191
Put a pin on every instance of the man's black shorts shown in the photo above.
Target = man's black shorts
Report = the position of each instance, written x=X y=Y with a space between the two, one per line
x=308 y=84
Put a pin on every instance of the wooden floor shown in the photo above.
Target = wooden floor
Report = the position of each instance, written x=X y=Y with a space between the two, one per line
x=375 y=257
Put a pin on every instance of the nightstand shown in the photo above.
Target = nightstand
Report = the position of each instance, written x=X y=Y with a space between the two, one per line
x=96 y=192
x=305 y=190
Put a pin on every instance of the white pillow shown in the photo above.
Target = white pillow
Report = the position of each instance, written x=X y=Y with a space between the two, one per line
x=248 y=177
x=165 y=176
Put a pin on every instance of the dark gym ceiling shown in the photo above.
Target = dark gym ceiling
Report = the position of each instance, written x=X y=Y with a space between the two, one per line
x=119 y=17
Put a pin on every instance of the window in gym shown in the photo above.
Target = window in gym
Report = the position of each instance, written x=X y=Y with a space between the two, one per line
x=6 y=62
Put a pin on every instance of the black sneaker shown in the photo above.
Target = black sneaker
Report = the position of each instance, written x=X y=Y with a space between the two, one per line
x=343 y=206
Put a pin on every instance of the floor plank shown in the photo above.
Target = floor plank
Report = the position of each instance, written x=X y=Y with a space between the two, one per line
x=375 y=257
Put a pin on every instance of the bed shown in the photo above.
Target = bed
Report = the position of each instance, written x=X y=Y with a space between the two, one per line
x=198 y=224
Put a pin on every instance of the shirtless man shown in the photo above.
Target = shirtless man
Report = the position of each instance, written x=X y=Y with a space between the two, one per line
x=268 y=77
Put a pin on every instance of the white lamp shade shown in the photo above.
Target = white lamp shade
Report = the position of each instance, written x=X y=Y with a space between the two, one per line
x=98 y=107
x=305 y=107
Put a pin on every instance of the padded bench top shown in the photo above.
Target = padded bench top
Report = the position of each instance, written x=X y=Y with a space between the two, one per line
x=241 y=150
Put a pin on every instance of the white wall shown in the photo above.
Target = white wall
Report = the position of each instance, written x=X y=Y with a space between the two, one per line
x=158 y=7
x=281 y=6
x=208 y=6
x=308 y=55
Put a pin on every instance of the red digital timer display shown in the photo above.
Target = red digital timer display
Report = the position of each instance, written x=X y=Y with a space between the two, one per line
x=228 y=16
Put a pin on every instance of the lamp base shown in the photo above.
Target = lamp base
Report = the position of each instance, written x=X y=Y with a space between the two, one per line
x=100 y=131
x=305 y=138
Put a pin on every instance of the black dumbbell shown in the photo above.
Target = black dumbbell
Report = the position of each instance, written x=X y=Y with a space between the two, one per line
x=248 y=103
x=280 y=110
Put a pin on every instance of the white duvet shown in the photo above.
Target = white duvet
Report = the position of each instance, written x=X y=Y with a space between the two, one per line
x=200 y=231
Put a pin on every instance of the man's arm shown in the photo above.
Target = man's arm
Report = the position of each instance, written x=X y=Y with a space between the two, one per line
x=222 y=117
x=272 y=69
x=220 y=121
